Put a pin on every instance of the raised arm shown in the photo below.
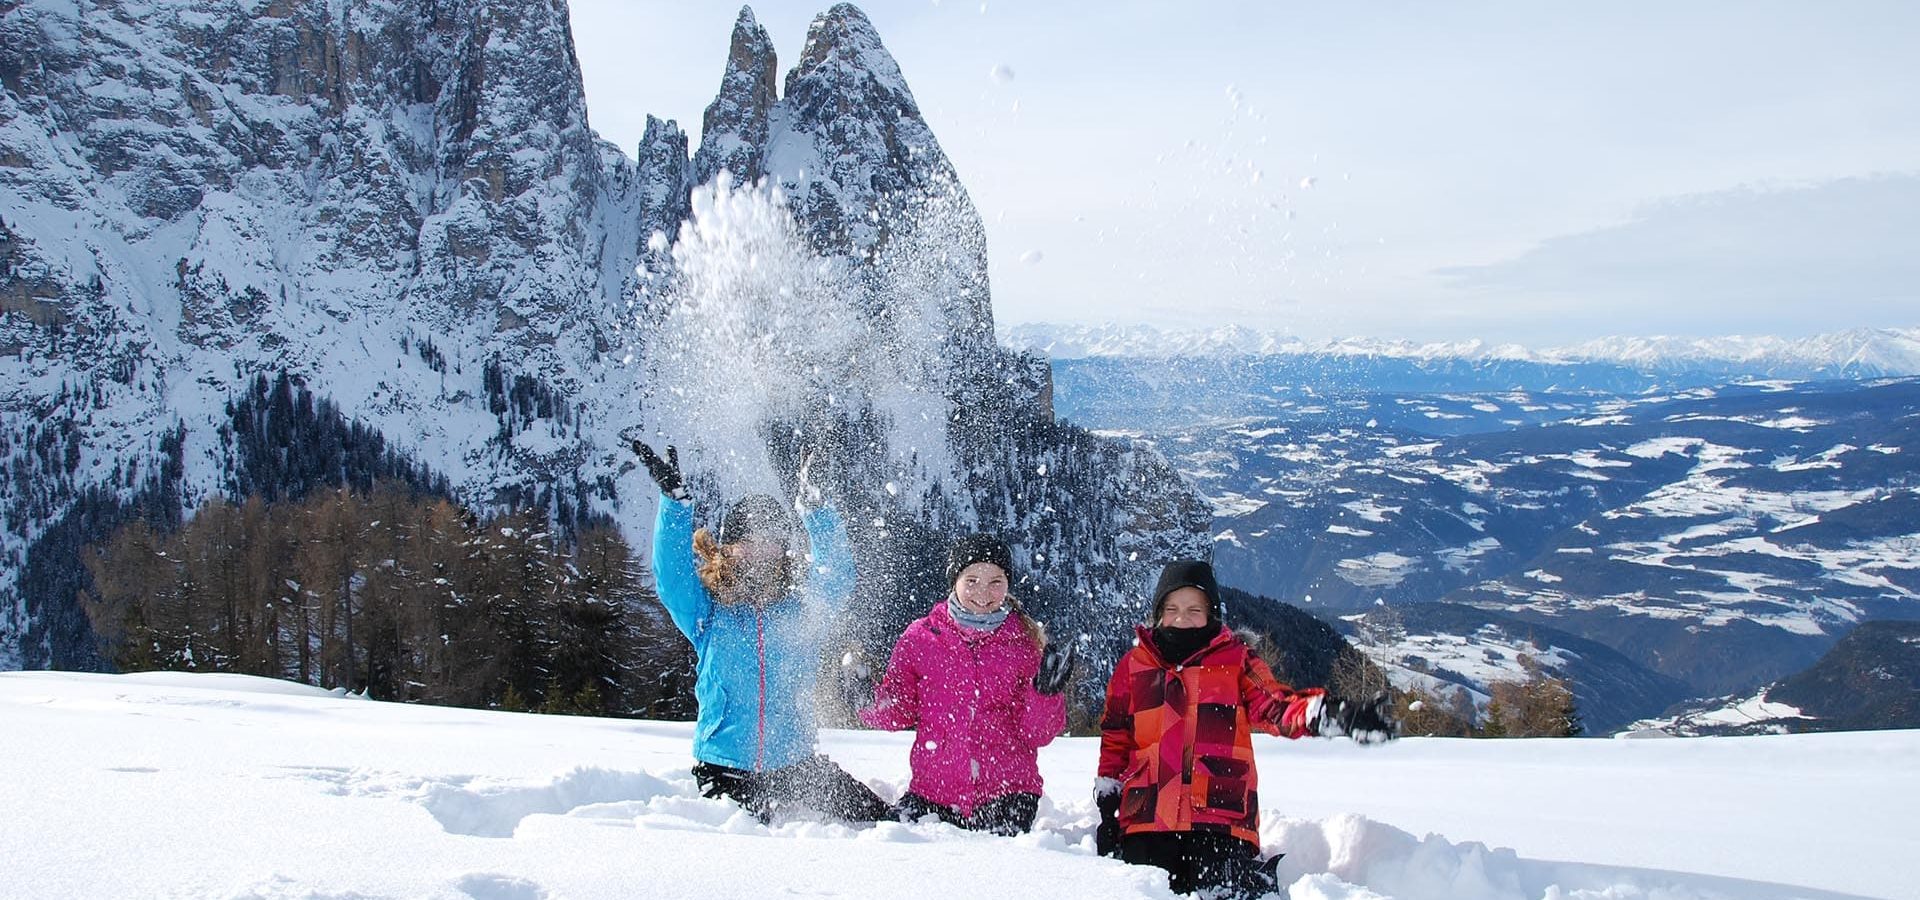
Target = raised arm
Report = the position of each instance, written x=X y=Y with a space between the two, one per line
x=1276 y=708
x=674 y=575
x=1043 y=714
x=831 y=575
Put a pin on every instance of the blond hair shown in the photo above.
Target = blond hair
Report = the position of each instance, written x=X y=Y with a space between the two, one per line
x=720 y=570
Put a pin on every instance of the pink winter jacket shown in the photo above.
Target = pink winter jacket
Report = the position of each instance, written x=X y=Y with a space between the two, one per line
x=969 y=696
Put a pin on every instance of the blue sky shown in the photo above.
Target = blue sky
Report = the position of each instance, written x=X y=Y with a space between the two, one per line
x=1513 y=171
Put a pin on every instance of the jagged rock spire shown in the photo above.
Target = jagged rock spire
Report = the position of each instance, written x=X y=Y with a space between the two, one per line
x=734 y=132
x=664 y=179
x=845 y=64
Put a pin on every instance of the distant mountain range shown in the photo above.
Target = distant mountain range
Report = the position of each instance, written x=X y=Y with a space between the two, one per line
x=1858 y=353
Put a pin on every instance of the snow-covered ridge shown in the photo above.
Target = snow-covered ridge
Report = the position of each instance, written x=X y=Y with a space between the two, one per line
x=1867 y=352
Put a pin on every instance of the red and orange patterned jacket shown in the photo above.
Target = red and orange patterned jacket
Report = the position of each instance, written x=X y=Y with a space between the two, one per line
x=1177 y=735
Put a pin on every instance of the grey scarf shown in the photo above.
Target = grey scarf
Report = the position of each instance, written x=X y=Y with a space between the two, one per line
x=974 y=620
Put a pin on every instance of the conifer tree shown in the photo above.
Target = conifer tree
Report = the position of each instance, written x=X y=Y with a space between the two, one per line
x=404 y=596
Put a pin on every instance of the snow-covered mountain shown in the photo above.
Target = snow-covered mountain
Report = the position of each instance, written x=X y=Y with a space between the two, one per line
x=1858 y=353
x=401 y=205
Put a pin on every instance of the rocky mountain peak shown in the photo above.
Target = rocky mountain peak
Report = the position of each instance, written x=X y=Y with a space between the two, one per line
x=845 y=59
x=665 y=178
x=862 y=173
x=735 y=128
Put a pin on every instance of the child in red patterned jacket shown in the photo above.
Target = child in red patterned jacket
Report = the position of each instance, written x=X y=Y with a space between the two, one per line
x=1177 y=786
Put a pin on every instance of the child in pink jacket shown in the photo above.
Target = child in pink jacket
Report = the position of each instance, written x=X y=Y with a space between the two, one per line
x=979 y=684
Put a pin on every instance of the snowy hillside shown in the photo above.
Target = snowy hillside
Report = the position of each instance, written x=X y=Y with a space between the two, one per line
x=1871 y=679
x=212 y=786
x=1442 y=649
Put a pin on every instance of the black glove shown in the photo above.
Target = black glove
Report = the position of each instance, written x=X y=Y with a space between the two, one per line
x=665 y=472
x=1056 y=667
x=1368 y=723
x=855 y=681
x=1106 y=837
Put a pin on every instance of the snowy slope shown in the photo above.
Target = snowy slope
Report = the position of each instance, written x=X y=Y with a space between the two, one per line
x=1871 y=679
x=206 y=786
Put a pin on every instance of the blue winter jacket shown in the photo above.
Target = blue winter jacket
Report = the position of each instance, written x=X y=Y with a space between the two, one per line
x=756 y=665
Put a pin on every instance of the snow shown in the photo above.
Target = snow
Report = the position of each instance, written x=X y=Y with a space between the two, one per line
x=191 y=785
x=1370 y=510
x=1231 y=505
x=1441 y=664
x=1460 y=559
x=1737 y=711
x=747 y=285
x=1383 y=569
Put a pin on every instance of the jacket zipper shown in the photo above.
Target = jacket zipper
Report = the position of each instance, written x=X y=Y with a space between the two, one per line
x=973 y=711
x=760 y=641
x=1191 y=725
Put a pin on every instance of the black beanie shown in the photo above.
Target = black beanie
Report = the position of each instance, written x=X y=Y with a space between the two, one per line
x=756 y=514
x=1187 y=573
x=968 y=549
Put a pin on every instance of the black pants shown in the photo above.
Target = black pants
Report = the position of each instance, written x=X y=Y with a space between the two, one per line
x=1214 y=865
x=811 y=786
x=1005 y=814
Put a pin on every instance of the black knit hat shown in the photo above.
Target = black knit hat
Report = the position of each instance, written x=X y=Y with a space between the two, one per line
x=1187 y=573
x=968 y=549
x=756 y=514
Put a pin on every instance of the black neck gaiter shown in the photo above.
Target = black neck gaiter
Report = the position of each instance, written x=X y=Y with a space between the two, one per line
x=1177 y=645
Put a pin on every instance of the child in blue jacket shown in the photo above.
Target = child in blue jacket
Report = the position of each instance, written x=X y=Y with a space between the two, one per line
x=756 y=614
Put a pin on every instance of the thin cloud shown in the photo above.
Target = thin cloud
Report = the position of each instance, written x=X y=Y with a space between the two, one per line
x=1799 y=259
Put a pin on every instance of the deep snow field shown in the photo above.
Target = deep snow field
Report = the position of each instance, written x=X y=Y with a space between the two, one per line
x=174 y=785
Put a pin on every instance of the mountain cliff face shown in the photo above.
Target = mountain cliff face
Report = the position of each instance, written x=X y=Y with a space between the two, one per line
x=401 y=205
x=858 y=164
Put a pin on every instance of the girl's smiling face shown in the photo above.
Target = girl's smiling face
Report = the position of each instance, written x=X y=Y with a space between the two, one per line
x=981 y=588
